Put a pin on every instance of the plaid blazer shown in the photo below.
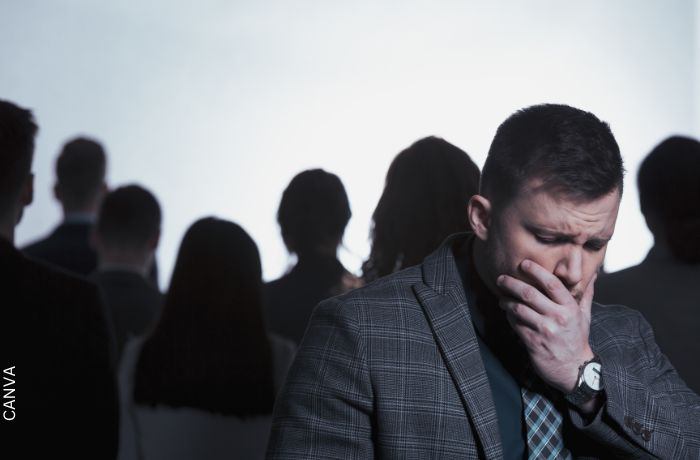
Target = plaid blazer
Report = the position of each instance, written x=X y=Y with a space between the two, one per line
x=393 y=370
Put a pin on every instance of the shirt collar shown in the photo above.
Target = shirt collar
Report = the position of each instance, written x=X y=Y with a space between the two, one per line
x=79 y=218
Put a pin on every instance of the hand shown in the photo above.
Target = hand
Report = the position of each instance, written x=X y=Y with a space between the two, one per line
x=552 y=324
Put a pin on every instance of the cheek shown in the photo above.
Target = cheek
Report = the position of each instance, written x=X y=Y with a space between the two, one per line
x=592 y=265
x=510 y=255
x=522 y=247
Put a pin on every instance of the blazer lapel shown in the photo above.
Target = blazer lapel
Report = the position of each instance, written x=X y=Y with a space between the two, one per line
x=443 y=299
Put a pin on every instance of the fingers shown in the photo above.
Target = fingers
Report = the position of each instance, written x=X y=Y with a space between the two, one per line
x=550 y=284
x=520 y=314
x=525 y=323
x=525 y=293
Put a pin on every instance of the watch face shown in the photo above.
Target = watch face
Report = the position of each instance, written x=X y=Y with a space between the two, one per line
x=592 y=376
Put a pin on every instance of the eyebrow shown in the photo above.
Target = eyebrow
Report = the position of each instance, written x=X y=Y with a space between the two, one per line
x=560 y=236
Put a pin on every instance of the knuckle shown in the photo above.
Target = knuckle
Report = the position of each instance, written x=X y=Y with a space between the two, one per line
x=528 y=294
x=548 y=331
x=551 y=285
x=527 y=336
x=516 y=308
x=559 y=319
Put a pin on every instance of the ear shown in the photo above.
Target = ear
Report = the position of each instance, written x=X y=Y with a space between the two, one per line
x=153 y=242
x=479 y=214
x=27 y=195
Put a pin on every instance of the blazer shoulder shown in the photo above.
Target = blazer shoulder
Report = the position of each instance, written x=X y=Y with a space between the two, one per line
x=54 y=277
x=613 y=312
x=375 y=306
x=619 y=325
x=51 y=289
x=386 y=289
x=37 y=247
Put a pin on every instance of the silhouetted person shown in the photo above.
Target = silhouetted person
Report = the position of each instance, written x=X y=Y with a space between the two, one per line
x=425 y=194
x=56 y=349
x=665 y=287
x=126 y=236
x=312 y=215
x=80 y=186
x=204 y=380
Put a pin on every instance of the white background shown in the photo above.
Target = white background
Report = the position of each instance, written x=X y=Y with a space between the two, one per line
x=215 y=105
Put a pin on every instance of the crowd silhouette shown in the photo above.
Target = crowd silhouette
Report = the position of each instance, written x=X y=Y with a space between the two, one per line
x=193 y=372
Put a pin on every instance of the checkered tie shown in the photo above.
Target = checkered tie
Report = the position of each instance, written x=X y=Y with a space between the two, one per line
x=545 y=439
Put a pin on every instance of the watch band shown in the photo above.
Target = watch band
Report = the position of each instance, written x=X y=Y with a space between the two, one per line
x=583 y=392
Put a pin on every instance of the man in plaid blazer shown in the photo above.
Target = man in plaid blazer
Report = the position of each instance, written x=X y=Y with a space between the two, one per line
x=493 y=348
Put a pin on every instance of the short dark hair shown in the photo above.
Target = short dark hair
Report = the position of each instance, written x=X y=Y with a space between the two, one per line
x=314 y=211
x=425 y=197
x=80 y=169
x=129 y=216
x=17 y=132
x=570 y=150
x=669 y=190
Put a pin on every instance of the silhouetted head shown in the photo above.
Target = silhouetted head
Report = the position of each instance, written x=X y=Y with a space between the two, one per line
x=313 y=213
x=669 y=195
x=17 y=132
x=129 y=218
x=424 y=200
x=80 y=173
x=217 y=261
x=210 y=349
x=128 y=228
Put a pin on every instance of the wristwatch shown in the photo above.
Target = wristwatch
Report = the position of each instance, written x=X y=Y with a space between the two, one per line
x=589 y=383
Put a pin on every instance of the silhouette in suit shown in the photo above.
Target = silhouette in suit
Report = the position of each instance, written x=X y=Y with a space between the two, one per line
x=55 y=342
x=80 y=186
x=312 y=215
x=665 y=286
x=493 y=347
x=126 y=237
x=427 y=187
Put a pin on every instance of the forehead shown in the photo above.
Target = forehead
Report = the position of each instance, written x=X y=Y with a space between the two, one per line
x=550 y=210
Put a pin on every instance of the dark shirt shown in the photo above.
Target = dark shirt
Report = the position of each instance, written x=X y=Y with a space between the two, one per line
x=133 y=303
x=68 y=247
x=291 y=299
x=501 y=353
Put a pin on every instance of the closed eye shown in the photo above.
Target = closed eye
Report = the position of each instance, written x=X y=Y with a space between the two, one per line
x=595 y=246
x=549 y=239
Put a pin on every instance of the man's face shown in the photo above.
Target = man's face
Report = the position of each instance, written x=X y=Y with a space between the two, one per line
x=567 y=237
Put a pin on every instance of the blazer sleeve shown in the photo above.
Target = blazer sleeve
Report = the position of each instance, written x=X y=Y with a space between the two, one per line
x=324 y=409
x=648 y=409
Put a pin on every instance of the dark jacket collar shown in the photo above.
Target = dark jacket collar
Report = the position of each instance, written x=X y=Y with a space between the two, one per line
x=440 y=271
x=443 y=299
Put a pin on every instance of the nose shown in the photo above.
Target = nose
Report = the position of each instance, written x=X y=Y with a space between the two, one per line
x=569 y=268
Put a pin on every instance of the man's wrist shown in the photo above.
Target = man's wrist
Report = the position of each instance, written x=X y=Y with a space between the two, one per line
x=575 y=372
x=589 y=385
